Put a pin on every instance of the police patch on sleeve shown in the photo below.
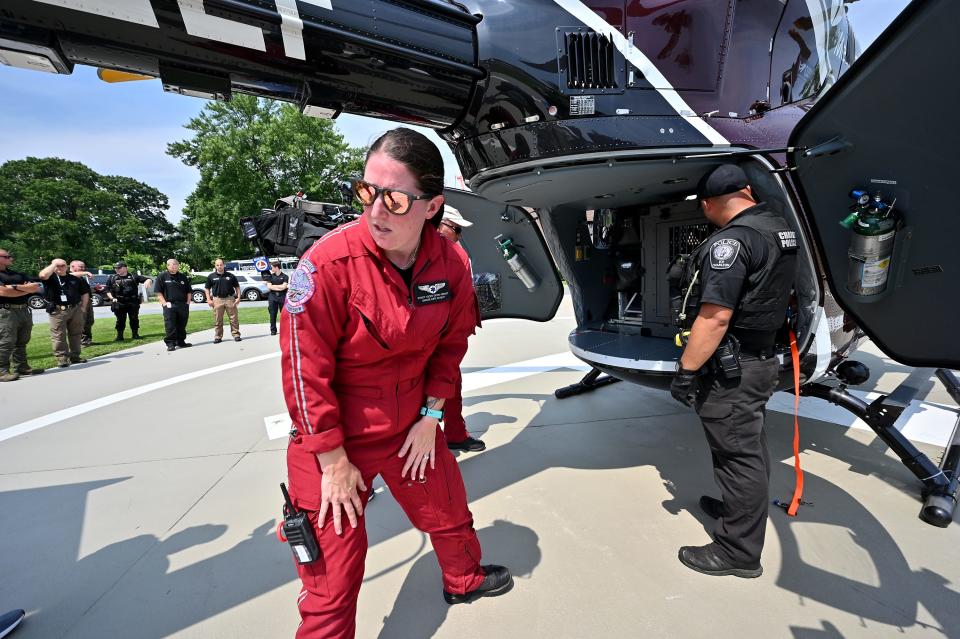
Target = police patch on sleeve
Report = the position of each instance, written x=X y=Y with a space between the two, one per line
x=723 y=253
x=300 y=289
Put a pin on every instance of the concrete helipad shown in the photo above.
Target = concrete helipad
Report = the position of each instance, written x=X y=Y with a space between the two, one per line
x=138 y=498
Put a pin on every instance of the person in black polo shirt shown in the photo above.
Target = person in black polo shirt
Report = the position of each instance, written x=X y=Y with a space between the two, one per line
x=173 y=291
x=67 y=297
x=223 y=294
x=16 y=320
x=277 y=281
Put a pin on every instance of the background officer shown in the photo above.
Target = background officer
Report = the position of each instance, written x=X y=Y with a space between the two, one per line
x=173 y=292
x=16 y=320
x=123 y=289
x=278 y=282
x=223 y=294
x=67 y=297
x=741 y=279
x=454 y=427
x=78 y=268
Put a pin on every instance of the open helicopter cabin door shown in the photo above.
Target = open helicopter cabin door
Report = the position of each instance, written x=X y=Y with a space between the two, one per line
x=513 y=273
x=877 y=167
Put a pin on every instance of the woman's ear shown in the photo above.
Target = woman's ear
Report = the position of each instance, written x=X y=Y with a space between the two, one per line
x=433 y=207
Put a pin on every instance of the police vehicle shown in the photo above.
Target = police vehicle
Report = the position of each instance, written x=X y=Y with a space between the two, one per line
x=582 y=126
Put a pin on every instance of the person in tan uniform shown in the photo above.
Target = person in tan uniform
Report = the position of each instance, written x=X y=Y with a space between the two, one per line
x=223 y=294
x=67 y=297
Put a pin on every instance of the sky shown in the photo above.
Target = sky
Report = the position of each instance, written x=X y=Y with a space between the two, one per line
x=123 y=129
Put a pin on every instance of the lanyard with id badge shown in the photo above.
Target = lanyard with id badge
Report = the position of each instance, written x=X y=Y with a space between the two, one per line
x=63 y=293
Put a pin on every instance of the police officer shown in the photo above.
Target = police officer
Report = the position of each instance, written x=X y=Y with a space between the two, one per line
x=173 y=292
x=223 y=294
x=278 y=282
x=123 y=289
x=67 y=298
x=454 y=427
x=16 y=320
x=737 y=285
x=78 y=268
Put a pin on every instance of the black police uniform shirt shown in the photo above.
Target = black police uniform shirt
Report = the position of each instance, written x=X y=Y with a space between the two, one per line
x=270 y=278
x=10 y=277
x=734 y=253
x=224 y=285
x=125 y=288
x=65 y=290
x=175 y=287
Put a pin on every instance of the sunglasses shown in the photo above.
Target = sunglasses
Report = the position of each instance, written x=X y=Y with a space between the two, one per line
x=456 y=229
x=7 y=256
x=397 y=202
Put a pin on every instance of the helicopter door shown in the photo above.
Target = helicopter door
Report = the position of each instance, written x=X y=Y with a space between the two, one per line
x=887 y=130
x=513 y=273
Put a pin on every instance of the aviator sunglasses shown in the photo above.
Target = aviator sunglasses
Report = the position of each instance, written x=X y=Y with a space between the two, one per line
x=397 y=202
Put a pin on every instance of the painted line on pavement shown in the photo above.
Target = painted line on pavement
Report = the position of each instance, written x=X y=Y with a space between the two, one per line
x=60 y=415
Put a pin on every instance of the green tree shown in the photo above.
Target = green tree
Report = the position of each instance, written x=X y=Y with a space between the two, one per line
x=250 y=152
x=50 y=207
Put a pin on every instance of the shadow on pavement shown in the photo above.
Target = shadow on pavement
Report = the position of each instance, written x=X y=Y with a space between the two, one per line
x=41 y=537
x=419 y=610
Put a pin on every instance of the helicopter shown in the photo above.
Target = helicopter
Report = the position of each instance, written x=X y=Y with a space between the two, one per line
x=581 y=128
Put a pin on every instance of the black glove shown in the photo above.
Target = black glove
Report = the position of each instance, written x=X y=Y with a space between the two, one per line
x=684 y=386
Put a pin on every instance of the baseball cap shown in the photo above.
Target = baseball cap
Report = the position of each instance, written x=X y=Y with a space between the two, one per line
x=725 y=179
x=453 y=215
x=120 y=264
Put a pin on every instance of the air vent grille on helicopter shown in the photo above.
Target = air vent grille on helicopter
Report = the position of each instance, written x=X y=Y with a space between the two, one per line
x=590 y=61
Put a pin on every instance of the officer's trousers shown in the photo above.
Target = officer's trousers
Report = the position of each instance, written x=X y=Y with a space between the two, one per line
x=16 y=324
x=437 y=506
x=228 y=305
x=175 y=322
x=733 y=416
x=454 y=426
x=124 y=312
x=66 y=331
x=88 y=320
x=273 y=307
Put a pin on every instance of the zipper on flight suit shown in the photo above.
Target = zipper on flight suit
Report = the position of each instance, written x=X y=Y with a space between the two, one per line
x=412 y=282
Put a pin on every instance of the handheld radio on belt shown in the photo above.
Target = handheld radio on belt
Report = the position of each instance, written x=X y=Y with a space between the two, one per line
x=297 y=531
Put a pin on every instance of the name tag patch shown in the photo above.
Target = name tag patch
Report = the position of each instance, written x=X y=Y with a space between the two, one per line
x=431 y=293
x=723 y=253
x=788 y=239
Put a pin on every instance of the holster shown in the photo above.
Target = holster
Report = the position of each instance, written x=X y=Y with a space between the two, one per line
x=725 y=361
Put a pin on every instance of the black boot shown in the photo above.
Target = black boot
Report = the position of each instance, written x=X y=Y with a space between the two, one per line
x=119 y=337
x=496 y=581
x=708 y=560
x=135 y=335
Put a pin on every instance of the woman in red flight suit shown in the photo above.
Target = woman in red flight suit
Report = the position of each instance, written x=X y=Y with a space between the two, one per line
x=377 y=318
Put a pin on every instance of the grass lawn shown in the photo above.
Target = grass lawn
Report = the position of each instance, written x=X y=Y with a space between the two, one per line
x=40 y=350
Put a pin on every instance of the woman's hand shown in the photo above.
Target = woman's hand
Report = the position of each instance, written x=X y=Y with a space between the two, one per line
x=338 y=488
x=420 y=447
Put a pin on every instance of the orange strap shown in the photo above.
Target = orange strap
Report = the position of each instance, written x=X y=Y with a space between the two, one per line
x=798 y=487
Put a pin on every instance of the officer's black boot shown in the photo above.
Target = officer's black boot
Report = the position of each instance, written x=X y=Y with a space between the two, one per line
x=709 y=560
x=119 y=337
x=496 y=581
x=135 y=335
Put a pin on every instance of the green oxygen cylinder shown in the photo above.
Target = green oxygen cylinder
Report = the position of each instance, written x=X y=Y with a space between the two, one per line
x=871 y=245
x=516 y=262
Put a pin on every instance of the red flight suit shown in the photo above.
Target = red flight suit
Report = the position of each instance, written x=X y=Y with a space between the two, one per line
x=360 y=354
